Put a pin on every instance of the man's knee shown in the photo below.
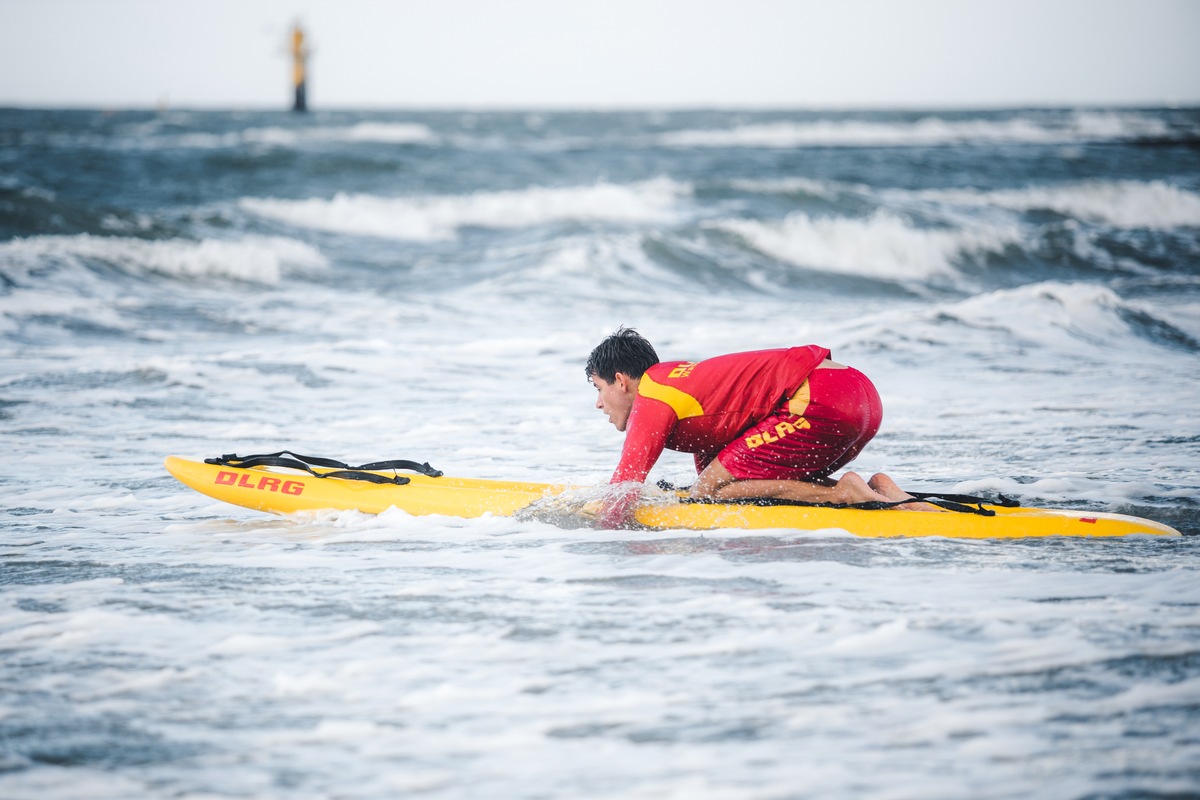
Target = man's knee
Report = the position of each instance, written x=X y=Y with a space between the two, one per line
x=709 y=483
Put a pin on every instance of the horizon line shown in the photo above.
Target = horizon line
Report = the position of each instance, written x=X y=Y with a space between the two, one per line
x=1167 y=104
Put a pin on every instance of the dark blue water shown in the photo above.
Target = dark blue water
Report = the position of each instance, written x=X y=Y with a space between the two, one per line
x=1022 y=285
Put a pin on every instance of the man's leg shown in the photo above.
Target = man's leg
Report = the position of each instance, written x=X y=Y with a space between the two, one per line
x=815 y=435
x=716 y=483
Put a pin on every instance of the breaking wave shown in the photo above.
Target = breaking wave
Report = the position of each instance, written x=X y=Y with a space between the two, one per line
x=375 y=132
x=881 y=246
x=1122 y=204
x=930 y=130
x=1089 y=321
x=255 y=259
x=430 y=218
x=155 y=135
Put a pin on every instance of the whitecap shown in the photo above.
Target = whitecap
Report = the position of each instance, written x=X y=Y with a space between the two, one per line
x=1122 y=204
x=380 y=132
x=388 y=133
x=434 y=217
x=926 y=131
x=1058 y=315
x=881 y=246
x=792 y=185
x=1090 y=323
x=259 y=259
x=52 y=302
x=276 y=136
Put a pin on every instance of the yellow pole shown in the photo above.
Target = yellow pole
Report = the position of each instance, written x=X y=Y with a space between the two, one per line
x=299 y=62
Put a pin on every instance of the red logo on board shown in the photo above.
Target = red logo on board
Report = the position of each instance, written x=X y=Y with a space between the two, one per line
x=265 y=483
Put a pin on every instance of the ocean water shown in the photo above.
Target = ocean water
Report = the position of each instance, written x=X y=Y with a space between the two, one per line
x=1022 y=285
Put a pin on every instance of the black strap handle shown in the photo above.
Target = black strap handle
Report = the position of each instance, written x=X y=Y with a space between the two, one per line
x=286 y=458
x=961 y=503
x=1003 y=502
x=872 y=505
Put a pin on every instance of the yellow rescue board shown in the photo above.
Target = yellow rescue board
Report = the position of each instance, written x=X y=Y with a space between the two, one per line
x=282 y=491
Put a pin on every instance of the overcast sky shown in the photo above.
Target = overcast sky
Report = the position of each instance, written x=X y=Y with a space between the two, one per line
x=602 y=53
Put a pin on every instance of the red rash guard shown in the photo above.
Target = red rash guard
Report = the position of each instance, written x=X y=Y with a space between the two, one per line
x=699 y=407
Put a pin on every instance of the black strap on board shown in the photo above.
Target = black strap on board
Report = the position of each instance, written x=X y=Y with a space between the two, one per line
x=961 y=503
x=286 y=458
x=872 y=505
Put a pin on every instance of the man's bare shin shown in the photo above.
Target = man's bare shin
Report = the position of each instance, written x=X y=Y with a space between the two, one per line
x=716 y=483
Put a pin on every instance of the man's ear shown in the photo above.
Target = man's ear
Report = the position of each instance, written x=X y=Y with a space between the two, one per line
x=624 y=381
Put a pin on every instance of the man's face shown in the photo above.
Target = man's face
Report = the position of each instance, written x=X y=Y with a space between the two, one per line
x=614 y=399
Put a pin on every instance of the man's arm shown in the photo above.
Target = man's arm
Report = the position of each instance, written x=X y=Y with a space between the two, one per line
x=650 y=423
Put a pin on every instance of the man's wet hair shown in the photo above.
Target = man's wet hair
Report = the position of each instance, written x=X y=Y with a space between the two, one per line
x=625 y=351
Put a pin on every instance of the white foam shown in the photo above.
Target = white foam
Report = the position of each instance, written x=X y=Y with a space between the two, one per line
x=388 y=132
x=243 y=643
x=1087 y=321
x=1059 y=314
x=380 y=132
x=258 y=259
x=1067 y=489
x=433 y=217
x=926 y=131
x=1124 y=204
x=880 y=246
x=112 y=682
x=793 y=185
x=54 y=302
x=593 y=264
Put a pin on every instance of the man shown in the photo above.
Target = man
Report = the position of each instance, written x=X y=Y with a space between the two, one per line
x=767 y=423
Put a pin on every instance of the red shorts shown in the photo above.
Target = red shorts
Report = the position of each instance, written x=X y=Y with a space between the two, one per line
x=820 y=430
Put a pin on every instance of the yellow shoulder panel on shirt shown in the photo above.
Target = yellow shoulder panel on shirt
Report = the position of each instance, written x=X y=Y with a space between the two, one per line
x=683 y=403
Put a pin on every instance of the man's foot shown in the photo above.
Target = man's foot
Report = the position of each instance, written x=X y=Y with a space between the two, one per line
x=715 y=483
x=887 y=487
